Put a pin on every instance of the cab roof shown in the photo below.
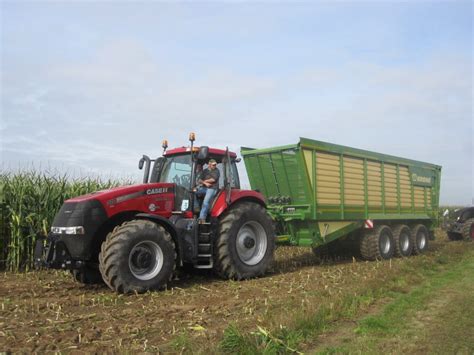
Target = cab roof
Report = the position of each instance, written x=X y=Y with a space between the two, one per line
x=213 y=152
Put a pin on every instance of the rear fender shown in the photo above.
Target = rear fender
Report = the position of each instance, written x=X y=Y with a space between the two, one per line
x=220 y=205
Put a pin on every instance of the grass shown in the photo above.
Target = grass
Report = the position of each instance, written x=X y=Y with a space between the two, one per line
x=182 y=342
x=395 y=317
x=234 y=341
x=435 y=316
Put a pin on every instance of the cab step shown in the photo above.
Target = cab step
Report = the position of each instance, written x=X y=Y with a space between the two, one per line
x=204 y=247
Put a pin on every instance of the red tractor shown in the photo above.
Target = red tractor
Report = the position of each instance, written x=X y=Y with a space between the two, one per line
x=134 y=237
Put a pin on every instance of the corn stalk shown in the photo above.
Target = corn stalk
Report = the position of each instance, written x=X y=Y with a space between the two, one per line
x=29 y=201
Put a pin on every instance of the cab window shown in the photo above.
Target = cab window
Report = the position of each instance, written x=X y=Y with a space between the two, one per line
x=177 y=170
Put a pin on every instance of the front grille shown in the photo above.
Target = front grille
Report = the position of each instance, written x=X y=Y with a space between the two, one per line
x=89 y=214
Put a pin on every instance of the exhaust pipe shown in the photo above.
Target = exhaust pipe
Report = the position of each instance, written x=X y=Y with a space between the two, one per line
x=146 y=173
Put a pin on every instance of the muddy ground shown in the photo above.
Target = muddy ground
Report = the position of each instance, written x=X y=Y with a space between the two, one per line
x=48 y=311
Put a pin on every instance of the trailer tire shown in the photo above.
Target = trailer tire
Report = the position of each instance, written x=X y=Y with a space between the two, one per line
x=87 y=276
x=468 y=230
x=245 y=242
x=403 y=240
x=420 y=237
x=137 y=256
x=377 y=243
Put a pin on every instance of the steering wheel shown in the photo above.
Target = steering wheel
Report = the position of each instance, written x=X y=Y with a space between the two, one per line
x=185 y=180
x=176 y=180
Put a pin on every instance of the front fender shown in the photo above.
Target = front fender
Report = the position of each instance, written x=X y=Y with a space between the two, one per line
x=167 y=225
x=220 y=206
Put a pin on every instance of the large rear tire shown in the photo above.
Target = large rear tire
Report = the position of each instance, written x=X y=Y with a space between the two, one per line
x=377 y=243
x=246 y=241
x=420 y=237
x=468 y=230
x=137 y=256
x=403 y=240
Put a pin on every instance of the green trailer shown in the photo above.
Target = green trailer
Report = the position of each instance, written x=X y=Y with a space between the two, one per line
x=318 y=192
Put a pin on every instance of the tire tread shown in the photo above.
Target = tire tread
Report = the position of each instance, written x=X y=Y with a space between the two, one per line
x=369 y=244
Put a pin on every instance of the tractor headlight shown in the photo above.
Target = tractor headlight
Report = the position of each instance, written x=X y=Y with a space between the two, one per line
x=68 y=230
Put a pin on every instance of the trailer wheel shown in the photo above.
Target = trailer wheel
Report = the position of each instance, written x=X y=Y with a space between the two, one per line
x=468 y=230
x=377 y=243
x=245 y=244
x=420 y=239
x=403 y=240
x=137 y=256
x=87 y=276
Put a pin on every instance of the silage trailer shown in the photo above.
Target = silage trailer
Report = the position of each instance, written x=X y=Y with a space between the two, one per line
x=317 y=192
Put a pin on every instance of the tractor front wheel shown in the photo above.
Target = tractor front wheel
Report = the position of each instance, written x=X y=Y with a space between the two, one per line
x=137 y=256
x=245 y=244
x=87 y=276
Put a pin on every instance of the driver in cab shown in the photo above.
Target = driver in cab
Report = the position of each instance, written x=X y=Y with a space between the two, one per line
x=207 y=186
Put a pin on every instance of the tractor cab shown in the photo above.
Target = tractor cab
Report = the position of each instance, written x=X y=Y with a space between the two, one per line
x=182 y=167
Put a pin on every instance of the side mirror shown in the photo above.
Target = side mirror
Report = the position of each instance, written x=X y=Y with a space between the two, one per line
x=140 y=163
x=203 y=153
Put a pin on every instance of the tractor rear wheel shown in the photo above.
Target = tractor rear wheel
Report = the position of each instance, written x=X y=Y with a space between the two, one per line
x=137 y=256
x=377 y=243
x=403 y=240
x=468 y=230
x=245 y=243
x=420 y=237
x=87 y=276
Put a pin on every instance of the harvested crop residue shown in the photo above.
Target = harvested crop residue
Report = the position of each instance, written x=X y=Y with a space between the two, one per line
x=48 y=311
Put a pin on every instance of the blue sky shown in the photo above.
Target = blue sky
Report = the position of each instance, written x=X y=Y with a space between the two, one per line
x=88 y=86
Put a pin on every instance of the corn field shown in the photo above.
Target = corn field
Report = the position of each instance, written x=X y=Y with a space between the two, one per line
x=29 y=201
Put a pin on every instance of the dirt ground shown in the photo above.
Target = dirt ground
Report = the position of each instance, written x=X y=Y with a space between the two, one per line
x=48 y=311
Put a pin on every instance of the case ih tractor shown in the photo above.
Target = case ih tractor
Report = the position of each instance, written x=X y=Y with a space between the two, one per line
x=134 y=237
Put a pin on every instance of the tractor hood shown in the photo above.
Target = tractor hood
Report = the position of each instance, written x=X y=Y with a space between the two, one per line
x=147 y=189
x=118 y=196
x=84 y=215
